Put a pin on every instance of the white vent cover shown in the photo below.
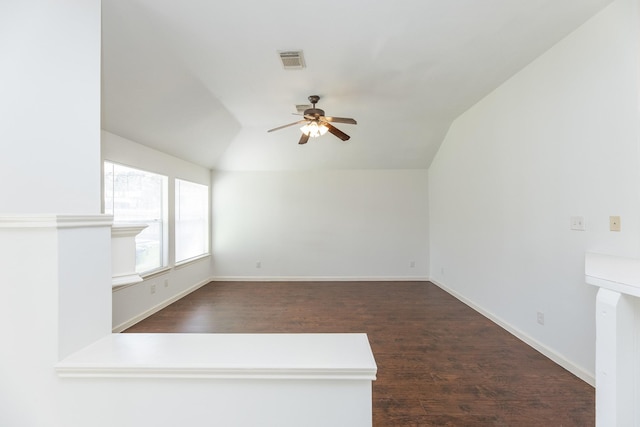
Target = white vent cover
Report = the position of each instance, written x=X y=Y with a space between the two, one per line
x=292 y=59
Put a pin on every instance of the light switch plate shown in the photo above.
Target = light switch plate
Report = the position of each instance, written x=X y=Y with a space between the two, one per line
x=577 y=223
x=614 y=223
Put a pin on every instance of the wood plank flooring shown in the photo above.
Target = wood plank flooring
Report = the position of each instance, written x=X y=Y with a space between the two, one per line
x=440 y=363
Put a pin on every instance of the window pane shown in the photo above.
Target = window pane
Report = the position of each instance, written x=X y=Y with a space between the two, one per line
x=192 y=220
x=136 y=196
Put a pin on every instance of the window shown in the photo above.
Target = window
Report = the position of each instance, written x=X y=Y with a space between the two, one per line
x=138 y=197
x=192 y=220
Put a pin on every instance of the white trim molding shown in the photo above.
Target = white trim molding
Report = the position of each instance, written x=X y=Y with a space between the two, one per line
x=127 y=230
x=55 y=221
x=320 y=279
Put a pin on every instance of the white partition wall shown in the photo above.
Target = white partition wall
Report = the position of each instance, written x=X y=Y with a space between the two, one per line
x=62 y=367
x=233 y=380
x=56 y=279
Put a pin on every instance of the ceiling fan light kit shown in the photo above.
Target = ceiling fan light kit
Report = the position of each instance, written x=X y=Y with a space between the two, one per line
x=314 y=129
x=317 y=124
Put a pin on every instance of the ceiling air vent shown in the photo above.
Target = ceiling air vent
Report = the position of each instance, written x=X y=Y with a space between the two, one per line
x=292 y=59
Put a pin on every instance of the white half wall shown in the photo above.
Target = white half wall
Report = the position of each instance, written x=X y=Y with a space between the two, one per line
x=56 y=301
x=333 y=225
x=559 y=139
x=135 y=302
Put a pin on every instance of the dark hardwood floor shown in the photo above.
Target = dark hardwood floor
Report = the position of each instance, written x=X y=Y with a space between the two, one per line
x=440 y=363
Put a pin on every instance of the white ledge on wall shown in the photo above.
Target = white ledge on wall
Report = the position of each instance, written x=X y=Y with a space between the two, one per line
x=225 y=356
x=55 y=221
x=614 y=273
x=127 y=279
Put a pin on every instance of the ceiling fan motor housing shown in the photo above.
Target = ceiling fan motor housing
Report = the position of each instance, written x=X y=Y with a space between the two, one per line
x=316 y=112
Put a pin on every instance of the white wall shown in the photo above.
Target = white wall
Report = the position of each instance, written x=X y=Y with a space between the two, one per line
x=135 y=302
x=47 y=73
x=55 y=281
x=559 y=139
x=84 y=295
x=332 y=224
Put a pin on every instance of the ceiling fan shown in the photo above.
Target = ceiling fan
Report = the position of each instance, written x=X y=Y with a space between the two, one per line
x=317 y=124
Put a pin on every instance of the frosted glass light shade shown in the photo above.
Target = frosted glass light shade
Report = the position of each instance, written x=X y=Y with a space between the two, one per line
x=313 y=129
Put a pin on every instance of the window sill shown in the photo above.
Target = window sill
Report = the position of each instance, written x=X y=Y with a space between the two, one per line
x=163 y=270
x=152 y=273
x=186 y=262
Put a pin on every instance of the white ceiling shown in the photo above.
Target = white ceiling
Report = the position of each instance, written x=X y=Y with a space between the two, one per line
x=202 y=80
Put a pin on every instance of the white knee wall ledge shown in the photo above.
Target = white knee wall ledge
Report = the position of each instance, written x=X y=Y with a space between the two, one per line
x=234 y=380
x=228 y=356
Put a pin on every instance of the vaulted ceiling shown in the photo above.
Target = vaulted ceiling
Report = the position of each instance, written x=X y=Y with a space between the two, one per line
x=202 y=80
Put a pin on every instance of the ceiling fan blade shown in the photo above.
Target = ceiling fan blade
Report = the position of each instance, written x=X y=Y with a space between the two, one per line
x=337 y=132
x=286 y=126
x=303 y=139
x=340 y=120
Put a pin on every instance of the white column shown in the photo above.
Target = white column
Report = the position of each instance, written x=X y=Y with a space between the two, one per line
x=615 y=357
x=123 y=254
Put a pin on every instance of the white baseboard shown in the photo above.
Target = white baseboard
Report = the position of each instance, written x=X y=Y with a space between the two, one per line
x=121 y=327
x=558 y=358
x=320 y=279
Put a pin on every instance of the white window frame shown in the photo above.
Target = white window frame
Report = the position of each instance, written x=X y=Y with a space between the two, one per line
x=158 y=222
x=182 y=187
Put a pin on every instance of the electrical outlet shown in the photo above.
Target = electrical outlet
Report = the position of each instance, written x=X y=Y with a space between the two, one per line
x=541 y=318
x=153 y=289
x=614 y=223
x=166 y=283
x=259 y=264
x=412 y=264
